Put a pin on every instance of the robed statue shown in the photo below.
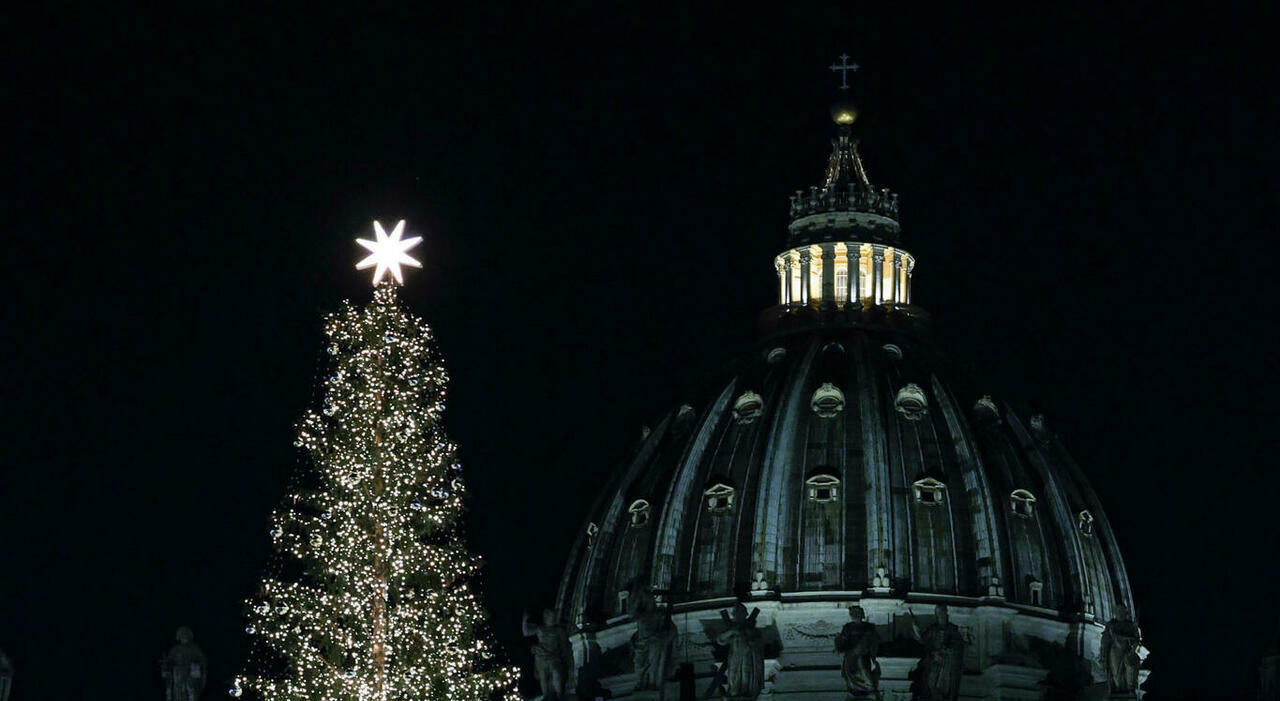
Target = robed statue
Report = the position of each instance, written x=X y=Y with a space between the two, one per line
x=938 y=674
x=651 y=645
x=184 y=669
x=744 y=665
x=1120 y=642
x=858 y=642
x=552 y=655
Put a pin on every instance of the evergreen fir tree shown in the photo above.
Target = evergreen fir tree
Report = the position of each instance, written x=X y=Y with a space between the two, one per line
x=373 y=599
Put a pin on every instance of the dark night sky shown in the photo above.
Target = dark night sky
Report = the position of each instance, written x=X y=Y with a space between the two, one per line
x=1090 y=194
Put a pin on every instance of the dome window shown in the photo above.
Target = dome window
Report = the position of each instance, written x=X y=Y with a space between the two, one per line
x=639 y=511
x=892 y=351
x=776 y=356
x=719 y=497
x=986 y=410
x=823 y=488
x=929 y=491
x=684 y=420
x=747 y=408
x=827 y=401
x=911 y=402
x=592 y=531
x=1085 y=521
x=1022 y=502
x=1036 y=589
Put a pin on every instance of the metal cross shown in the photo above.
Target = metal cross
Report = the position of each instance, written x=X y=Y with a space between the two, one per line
x=844 y=69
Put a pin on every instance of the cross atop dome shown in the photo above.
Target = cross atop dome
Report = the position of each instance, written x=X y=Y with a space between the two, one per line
x=844 y=67
x=843 y=112
x=843 y=244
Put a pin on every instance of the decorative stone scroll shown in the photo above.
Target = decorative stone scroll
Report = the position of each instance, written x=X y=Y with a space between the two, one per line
x=827 y=400
x=747 y=408
x=911 y=402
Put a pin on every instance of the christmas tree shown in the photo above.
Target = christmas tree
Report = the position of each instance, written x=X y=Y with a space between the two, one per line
x=371 y=597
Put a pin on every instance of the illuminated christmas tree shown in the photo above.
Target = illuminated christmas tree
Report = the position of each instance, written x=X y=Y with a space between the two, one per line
x=372 y=596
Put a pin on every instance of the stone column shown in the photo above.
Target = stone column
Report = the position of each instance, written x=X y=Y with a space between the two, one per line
x=804 y=277
x=828 y=272
x=897 y=279
x=877 y=275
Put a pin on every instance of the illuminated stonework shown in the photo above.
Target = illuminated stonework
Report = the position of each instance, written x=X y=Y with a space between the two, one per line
x=803 y=279
x=839 y=463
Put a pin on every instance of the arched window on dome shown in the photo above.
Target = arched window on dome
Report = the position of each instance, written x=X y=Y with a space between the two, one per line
x=841 y=288
x=1036 y=590
x=886 y=276
x=827 y=400
x=821 y=545
x=1085 y=520
x=629 y=553
x=823 y=487
x=815 y=274
x=747 y=407
x=929 y=491
x=797 y=287
x=714 y=549
x=719 y=497
x=1022 y=502
x=865 y=280
x=639 y=511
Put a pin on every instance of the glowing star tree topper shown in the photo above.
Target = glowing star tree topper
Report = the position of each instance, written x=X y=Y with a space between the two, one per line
x=388 y=252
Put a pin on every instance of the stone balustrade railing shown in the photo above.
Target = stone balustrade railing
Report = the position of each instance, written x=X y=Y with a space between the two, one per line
x=844 y=198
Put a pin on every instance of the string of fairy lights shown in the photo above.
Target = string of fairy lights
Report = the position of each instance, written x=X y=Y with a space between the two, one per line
x=372 y=598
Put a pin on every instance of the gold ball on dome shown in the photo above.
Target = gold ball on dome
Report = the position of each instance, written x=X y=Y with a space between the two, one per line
x=844 y=113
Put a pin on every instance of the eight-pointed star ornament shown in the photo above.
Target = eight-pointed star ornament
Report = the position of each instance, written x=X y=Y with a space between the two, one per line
x=388 y=252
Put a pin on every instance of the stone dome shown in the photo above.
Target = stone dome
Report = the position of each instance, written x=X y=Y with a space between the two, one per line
x=843 y=460
x=836 y=451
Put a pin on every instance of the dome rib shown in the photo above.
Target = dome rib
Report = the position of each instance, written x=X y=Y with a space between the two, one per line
x=1120 y=577
x=875 y=454
x=1063 y=518
x=782 y=434
x=986 y=546
x=665 y=565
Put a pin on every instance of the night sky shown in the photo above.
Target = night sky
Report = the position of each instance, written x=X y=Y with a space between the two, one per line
x=1090 y=194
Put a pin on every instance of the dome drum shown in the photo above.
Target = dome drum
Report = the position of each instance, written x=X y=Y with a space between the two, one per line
x=844 y=273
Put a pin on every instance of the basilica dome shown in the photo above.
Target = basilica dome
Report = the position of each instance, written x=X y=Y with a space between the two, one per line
x=845 y=461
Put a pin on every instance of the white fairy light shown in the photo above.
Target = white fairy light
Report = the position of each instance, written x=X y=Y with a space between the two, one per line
x=388 y=252
x=381 y=606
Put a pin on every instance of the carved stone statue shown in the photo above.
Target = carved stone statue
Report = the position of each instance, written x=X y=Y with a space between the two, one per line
x=858 y=642
x=1119 y=655
x=652 y=642
x=184 y=669
x=552 y=655
x=937 y=676
x=1268 y=674
x=6 y=676
x=744 y=666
